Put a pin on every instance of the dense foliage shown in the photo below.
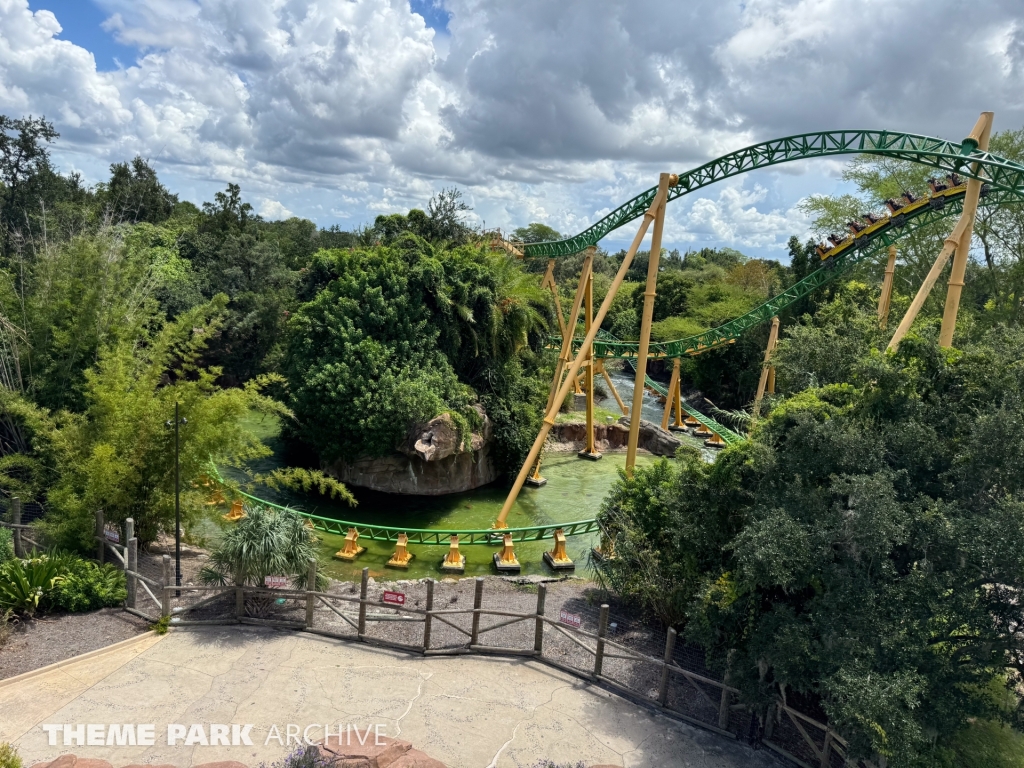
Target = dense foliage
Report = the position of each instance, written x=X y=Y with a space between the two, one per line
x=865 y=548
x=58 y=582
x=397 y=334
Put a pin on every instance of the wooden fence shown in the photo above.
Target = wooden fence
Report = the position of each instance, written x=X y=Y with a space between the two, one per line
x=660 y=683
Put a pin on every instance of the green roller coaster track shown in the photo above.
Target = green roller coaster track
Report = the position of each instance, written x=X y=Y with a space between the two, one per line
x=940 y=154
x=1004 y=180
x=428 y=536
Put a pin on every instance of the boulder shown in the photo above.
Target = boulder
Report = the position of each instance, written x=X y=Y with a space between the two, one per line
x=653 y=438
x=431 y=461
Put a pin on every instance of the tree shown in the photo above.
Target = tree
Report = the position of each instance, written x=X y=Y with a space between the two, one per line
x=118 y=456
x=134 y=194
x=264 y=543
x=445 y=214
x=536 y=233
x=863 y=550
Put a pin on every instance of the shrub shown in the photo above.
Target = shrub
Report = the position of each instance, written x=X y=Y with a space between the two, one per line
x=264 y=543
x=303 y=757
x=6 y=545
x=9 y=757
x=24 y=583
x=85 y=585
x=7 y=621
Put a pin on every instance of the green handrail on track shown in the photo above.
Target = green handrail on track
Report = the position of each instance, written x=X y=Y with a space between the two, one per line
x=607 y=348
x=481 y=536
x=945 y=156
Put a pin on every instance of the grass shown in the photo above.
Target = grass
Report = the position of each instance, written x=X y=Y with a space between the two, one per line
x=601 y=415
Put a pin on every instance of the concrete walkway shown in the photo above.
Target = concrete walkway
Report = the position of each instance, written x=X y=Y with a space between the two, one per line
x=472 y=711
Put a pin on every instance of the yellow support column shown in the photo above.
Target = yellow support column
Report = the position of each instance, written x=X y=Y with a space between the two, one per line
x=964 y=226
x=506 y=560
x=402 y=556
x=565 y=354
x=590 y=451
x=980 y=135
x=611 y=386
x=236 y=513
x=679 y=426
x=577 y=363
x=885 y=299
x=670 y=401
x=557 y=559
x=454 y=561
x=645 y=330
x=549 y=282
x=773 y=340
x=351 y=550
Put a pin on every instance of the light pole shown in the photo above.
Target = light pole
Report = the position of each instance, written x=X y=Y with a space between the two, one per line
x=177 y=500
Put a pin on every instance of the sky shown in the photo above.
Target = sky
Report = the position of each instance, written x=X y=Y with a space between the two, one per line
x=556 y=112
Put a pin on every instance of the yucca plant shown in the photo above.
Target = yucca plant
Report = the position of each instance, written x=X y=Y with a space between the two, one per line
x=23 y=583
x=264 y=543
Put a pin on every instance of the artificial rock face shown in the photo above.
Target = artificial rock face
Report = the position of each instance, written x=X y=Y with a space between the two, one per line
x=432 y=461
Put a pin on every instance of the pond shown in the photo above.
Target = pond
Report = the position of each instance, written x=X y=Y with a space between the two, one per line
x=575 y=489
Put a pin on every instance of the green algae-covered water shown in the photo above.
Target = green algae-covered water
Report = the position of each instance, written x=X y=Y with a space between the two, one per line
x=575 y=489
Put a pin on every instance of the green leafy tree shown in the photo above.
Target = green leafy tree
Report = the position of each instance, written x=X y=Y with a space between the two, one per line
x=863 y=550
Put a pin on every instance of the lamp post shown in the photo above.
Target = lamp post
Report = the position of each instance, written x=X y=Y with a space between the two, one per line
x=177 y=499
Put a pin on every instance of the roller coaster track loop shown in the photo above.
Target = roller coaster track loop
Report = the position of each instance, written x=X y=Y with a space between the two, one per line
x=944 y=156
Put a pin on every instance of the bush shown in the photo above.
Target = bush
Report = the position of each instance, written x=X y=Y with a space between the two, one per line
x=85 y=586
x=59 y=582
x=24 y=583
x=303 y=757
x=6 y=545
x=9 y=757
x=264 y=543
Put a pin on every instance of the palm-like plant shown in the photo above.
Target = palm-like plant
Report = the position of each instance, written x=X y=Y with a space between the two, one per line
x=264 y=543
x=519 y=302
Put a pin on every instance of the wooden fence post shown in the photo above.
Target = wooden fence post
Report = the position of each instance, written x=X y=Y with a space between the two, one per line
x=670 y=647
x=602 y=630
x=129 y=534
x=167 y=580
x=723 y=710
x=538 y=630
x=131 y=567
x=310 y=591
x=19 y=549
x=478 y=598
x=826 y=758
x=101 y=547
x=362 y=602
x=427 y=617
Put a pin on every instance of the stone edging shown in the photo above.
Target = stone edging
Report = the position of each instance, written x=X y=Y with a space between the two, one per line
x=82 y=657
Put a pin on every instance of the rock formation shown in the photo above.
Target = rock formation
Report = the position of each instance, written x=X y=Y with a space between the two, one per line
x=431 y=461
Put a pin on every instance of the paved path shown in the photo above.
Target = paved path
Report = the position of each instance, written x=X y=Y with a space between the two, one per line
x=472 y=712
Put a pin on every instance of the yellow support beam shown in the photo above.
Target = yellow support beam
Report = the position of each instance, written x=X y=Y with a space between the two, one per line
x=886 y=298
x=773 y=340
x=670 y=401
x=644 y=344
x=611 y=386
x=965 y=226
x=981 y=133
x=577 y=363
x=590 y=451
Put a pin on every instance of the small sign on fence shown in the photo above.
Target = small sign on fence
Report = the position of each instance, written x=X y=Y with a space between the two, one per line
x=572 y=619
x=111 y=533
x=394 y=598
x=275 y=582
